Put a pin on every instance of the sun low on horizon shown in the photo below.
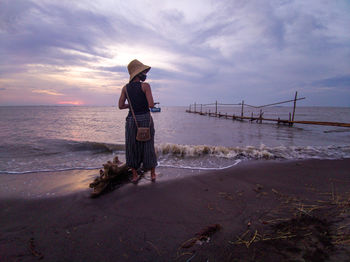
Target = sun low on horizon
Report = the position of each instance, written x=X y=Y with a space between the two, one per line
x=75 y=103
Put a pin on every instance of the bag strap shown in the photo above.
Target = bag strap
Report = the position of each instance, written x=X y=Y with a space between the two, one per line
x=132 y=110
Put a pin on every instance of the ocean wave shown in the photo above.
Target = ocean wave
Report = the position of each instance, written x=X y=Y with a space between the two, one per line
x=99 y=147
x=56 y=147
x=245 y=152
x=91 y=155
x=254 y=152
x=47 y=170
x=236 y=162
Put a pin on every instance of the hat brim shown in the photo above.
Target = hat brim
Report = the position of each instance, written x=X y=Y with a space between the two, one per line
x=144 y=68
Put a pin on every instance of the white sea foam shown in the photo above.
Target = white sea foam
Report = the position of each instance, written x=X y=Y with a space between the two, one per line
x=254 y=152
x=195 y=157
x=47 y=170
x=236 y=162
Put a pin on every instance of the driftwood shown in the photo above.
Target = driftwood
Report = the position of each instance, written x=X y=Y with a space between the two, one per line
x=113 y=173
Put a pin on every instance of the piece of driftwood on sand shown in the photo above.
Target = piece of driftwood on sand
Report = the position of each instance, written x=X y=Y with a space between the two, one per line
x=113 y=173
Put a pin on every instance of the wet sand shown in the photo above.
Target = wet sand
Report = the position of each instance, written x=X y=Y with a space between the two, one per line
x=267 y=211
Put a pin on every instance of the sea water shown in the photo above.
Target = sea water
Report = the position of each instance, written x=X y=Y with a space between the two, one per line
x=54 y=138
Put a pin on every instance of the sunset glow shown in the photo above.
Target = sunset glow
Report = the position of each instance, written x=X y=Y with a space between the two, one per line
x=74 y=103
x=256 y=51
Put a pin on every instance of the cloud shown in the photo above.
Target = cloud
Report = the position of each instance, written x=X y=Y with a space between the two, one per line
x=112 y=68
x=47 y=92
x=227 y=50
x=340 y=81
x=52 y=34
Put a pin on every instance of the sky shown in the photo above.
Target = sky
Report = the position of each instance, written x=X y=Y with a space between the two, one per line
x=76 y=52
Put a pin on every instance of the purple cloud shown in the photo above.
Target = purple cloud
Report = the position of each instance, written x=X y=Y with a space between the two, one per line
x=226 y=50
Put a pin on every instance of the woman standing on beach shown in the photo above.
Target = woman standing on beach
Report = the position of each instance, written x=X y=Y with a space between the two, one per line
x=140 y=97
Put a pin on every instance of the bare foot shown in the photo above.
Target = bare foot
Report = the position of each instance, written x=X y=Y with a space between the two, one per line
x=153 y=174
x=135 y=176
x=153 y=177
x=135 y=180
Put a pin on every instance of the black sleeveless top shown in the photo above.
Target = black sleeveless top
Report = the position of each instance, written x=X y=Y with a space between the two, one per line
x=138 y=98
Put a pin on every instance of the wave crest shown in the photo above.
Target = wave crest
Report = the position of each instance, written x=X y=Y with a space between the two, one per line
x=95 y=146
x=254 y=152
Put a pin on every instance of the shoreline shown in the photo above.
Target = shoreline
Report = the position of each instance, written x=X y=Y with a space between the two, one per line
x=41 y=184
x=151 y=221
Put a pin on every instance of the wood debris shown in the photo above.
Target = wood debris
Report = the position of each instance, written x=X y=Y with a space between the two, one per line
x=309 y=229
x=33 y=249
x=113 y=173
x=202 y=236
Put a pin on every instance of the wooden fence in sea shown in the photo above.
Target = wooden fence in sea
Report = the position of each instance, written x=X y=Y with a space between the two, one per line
x=259 y=118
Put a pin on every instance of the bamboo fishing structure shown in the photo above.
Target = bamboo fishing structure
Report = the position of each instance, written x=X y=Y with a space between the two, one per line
x=260 y=118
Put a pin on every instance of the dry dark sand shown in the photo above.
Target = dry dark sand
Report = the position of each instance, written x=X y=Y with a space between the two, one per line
x=268 y=211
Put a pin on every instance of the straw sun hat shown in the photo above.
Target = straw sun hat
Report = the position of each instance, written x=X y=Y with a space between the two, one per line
x=135 y=67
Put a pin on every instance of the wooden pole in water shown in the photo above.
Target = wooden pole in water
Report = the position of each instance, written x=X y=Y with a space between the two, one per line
x=195 y=110
x=242 y=108
x=201 y=108
x=295 y=103
x=216 y=107
x=290 y=118
x=261 y=116
x=278 y=120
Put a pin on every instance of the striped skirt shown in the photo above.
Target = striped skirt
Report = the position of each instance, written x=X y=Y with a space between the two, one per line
x=137 y=152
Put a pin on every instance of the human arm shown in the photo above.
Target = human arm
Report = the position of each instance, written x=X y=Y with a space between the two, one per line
x=122 y=99
x=146 y=88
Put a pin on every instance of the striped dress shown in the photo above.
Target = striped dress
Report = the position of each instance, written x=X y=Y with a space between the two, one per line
x=139 y=153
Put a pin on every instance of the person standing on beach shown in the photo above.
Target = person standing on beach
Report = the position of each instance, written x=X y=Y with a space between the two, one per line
x=141 y=100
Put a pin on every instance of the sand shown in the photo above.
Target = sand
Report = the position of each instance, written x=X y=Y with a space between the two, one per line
x=267 y=211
